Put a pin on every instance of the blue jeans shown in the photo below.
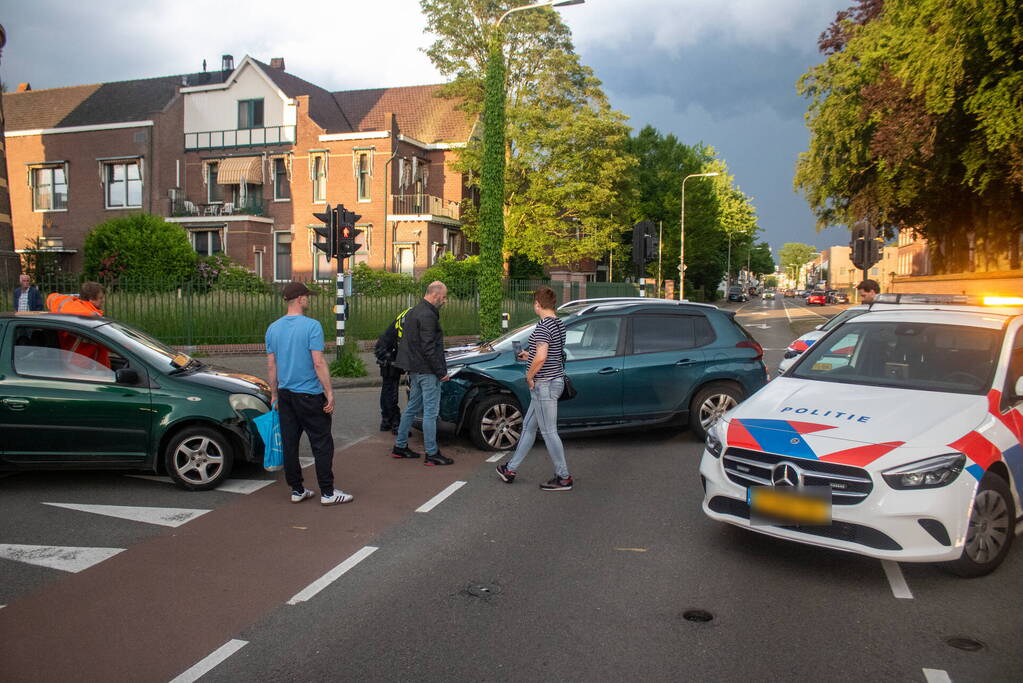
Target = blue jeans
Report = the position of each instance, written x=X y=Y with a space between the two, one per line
x=543 y=415
x=425 y=397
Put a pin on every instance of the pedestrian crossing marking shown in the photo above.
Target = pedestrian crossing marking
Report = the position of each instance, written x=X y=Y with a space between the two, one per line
x=241 y=486
x=172 y=517
x=65 y=558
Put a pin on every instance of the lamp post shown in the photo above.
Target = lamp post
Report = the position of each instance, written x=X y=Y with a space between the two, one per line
x=682 y=234
x=492 y=178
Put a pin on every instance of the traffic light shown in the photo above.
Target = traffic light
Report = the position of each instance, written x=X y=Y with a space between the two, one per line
x=644 y=243
x=326 y=235
x=347 y=232
x=867 y=247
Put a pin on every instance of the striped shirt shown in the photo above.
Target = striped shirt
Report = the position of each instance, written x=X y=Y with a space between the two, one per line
x=550 y=331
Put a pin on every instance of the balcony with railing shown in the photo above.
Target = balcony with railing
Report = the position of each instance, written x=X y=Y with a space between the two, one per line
x=425 y=204
x=186 y=208
x=242 y=137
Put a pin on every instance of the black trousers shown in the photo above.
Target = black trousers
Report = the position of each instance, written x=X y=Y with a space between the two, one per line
x=304 y=413
x=390 y=413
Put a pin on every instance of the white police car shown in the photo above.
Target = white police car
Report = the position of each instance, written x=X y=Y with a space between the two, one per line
x=897 y=435
x=802 y=343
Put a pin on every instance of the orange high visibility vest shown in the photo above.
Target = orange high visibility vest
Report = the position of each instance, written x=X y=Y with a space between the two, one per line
x=65 y=303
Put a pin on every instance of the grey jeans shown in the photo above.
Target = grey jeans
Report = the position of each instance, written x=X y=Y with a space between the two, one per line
x=543 y=415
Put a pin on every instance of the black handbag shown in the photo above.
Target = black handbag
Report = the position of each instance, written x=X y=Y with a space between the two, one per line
x=569 y=392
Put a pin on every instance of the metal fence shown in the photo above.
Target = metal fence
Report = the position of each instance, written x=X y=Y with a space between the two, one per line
x=196 y=314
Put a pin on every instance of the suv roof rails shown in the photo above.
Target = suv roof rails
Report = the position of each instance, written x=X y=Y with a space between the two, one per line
x=613 y=299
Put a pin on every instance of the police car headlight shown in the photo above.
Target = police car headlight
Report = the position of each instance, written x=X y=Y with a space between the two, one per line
x=931 y=473
x=243 y=402
x=713 y=441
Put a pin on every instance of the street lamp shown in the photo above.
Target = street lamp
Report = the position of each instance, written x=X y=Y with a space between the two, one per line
x=682 y=234
x=492 y=179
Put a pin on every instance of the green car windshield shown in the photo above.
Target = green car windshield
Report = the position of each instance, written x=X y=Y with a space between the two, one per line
x=506 y=342
x=155 y=352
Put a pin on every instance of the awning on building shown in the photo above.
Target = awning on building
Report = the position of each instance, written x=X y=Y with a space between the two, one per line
x=238 y=170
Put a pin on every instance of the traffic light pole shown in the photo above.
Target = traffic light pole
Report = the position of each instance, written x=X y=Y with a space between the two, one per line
x=340 y=312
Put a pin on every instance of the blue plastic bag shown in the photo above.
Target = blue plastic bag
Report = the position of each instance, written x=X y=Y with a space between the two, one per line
x=269 y=426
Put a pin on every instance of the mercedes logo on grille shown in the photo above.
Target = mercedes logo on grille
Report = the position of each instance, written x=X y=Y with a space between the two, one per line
x=786 y=474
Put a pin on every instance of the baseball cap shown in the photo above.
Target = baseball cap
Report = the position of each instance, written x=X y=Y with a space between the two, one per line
x=293 y=290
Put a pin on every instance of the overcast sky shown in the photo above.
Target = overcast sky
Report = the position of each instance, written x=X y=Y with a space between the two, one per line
x=718 y=71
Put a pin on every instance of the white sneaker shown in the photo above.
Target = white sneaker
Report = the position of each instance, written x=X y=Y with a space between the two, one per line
x=336 y=498
x=299 y=497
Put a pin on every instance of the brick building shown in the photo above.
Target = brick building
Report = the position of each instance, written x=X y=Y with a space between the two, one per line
x=842 y=274
x=9 y=266
x=242 y=158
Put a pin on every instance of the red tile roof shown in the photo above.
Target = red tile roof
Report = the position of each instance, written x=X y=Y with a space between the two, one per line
x=420 y=113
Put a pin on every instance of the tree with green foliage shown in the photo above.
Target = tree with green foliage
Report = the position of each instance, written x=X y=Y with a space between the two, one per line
x=566 y=168
x=916 y=118
x=461 y=276
x=794 y=255
x=140 y=248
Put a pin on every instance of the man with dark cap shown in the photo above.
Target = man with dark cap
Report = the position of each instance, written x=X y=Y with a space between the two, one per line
x=300 y=389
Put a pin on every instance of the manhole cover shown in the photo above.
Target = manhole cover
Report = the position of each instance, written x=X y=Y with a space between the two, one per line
x=697 y=615
x=963 y=643
x=483 y=590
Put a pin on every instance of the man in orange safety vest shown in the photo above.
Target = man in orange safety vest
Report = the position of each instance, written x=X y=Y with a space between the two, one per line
x=88 y=302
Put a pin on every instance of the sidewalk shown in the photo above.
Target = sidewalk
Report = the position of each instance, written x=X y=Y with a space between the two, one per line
x=255 y=364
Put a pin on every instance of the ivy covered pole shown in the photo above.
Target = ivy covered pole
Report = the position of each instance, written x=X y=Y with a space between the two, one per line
x=492 y=178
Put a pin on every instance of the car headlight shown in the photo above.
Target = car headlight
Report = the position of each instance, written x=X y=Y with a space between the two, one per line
x=713 y=441
x=242 y=402
x=930 y=473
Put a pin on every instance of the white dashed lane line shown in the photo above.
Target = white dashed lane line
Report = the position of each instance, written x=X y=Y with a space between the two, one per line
x=900 y=588
x=439 y=498
x=936 y=676
x=211 y=662
x=333 y=575
x=497 y=456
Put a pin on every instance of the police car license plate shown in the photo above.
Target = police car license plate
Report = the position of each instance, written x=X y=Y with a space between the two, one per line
x=785 y=505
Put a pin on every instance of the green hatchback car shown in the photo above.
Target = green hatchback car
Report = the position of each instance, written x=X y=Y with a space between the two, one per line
x=635 y=363
x=92 y=393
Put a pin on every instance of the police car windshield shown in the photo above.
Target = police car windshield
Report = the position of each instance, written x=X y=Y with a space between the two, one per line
x=847 y=314
x=906 y=355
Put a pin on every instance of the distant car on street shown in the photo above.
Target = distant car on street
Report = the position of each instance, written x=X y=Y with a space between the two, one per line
x=634 y=363
x=81 y=392
x=836 y=296
x=769 y=294
x=789 y=293
x=897 y=436
x=737 y=294
x=818 y=297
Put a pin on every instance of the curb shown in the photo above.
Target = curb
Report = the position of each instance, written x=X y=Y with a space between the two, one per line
x=355 y=382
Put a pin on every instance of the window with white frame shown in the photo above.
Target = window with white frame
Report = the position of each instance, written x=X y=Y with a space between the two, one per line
x=318 y=176
x=215 y=191
x=49 y=188
x=322 y=268
x=123 y=182
x=207 y=242
x=257 y=265
x=250 y=113
x=363 y=174
x=282 y=256
x=282 y=185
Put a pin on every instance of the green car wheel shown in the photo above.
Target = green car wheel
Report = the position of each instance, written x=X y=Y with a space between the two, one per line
x=198 y=458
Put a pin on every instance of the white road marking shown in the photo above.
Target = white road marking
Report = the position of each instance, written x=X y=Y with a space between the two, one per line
x=497 y=456
x=309 y=462
x=331 y=576
x=242 y=486
x=2 y=606
x=172 y=517
x=209 y=663
x=936 y=676
x=439 y=498
x=65 y=558
x=900 y=588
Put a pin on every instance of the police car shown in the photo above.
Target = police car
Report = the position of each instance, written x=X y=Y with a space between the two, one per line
x=802 y=343
x=897 y=435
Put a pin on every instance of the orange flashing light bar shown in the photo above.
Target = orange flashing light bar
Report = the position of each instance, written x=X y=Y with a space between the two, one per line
x=1003 y=301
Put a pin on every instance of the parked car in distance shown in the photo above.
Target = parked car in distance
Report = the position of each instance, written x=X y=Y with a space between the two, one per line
x=768 y=293
x=82 y=392
x=789 y=293
x=818 y=297
x=837 y=296
x=634 y=364
x=737 y=294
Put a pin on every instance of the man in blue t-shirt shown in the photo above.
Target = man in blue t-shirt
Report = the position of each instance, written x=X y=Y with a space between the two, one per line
x=300 y=389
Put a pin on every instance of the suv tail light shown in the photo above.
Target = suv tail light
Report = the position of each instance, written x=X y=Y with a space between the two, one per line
x=750 y=344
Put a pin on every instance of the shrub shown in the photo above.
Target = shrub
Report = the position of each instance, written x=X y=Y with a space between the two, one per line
x=461 y=277
x=350 y=364
x=365 y=280
x=220 y=272
x=136 y=248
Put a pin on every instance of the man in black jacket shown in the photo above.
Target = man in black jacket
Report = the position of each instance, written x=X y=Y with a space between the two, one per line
x=421 y=355
x=27 y=297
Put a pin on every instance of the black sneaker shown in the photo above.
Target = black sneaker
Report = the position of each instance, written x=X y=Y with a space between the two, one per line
x=507 y=476
x=385 y=426
x=403 y=452
x=558 y=484
x=437 y=459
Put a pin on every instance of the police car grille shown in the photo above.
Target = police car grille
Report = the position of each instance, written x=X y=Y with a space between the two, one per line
x=849 y=485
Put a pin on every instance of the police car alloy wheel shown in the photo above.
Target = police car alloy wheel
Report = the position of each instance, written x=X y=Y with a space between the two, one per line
x=991 y=529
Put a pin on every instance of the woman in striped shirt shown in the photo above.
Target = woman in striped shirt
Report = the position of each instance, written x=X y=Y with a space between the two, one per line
x=546 y=379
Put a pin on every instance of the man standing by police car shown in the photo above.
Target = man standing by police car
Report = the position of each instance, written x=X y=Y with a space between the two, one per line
x=421 y=354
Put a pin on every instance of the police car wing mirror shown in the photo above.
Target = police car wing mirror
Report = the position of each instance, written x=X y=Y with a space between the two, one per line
x=819 y=326
x=1018 y=389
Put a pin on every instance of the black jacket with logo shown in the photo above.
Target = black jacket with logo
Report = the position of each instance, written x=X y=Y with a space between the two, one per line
x=422 y=344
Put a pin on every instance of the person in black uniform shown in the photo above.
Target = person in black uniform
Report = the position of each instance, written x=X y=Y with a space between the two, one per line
x=386 y=350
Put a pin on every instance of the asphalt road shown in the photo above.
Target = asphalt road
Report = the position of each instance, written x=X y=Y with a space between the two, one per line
x=492 y=582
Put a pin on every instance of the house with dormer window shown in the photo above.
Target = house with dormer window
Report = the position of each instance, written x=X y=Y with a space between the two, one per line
x=242 y=158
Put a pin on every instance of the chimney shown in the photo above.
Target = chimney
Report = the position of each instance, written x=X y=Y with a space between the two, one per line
x=277 y=63
x=24 y=87
x=227 y=64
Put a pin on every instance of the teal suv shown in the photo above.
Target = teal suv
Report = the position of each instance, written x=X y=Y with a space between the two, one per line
x=635 y=363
